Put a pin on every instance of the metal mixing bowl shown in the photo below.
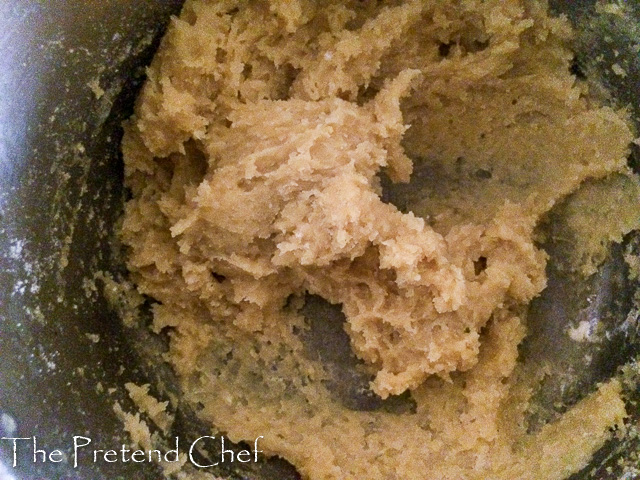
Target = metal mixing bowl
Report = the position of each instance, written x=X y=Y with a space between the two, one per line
x=69 y=72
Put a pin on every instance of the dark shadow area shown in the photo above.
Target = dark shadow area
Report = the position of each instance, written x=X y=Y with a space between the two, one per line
x=327 y=342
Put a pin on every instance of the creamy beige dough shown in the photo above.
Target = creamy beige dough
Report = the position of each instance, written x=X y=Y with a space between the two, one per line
x=255 y=158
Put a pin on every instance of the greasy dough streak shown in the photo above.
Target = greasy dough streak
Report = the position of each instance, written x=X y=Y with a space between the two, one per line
x=254 y=159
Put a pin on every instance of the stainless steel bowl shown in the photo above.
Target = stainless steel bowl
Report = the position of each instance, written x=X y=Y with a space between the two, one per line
x=69 y=73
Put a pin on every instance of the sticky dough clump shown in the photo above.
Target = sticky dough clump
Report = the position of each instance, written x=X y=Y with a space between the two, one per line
x=256 y=159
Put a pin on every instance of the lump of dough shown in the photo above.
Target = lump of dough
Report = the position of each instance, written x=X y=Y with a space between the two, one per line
x=394 y=158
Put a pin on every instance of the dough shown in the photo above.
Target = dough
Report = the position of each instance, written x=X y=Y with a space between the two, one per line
x=260 y=160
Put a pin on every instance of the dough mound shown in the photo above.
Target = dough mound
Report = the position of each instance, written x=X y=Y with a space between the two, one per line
x=256 y=159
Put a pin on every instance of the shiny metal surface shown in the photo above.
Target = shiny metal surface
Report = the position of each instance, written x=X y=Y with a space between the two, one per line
x=60 y=195
x=69 y=72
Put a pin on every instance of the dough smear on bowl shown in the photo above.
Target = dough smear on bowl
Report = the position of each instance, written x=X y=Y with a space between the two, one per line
x=256 y=159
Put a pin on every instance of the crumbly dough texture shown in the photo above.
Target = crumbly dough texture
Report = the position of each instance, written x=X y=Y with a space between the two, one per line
x=255 y=158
